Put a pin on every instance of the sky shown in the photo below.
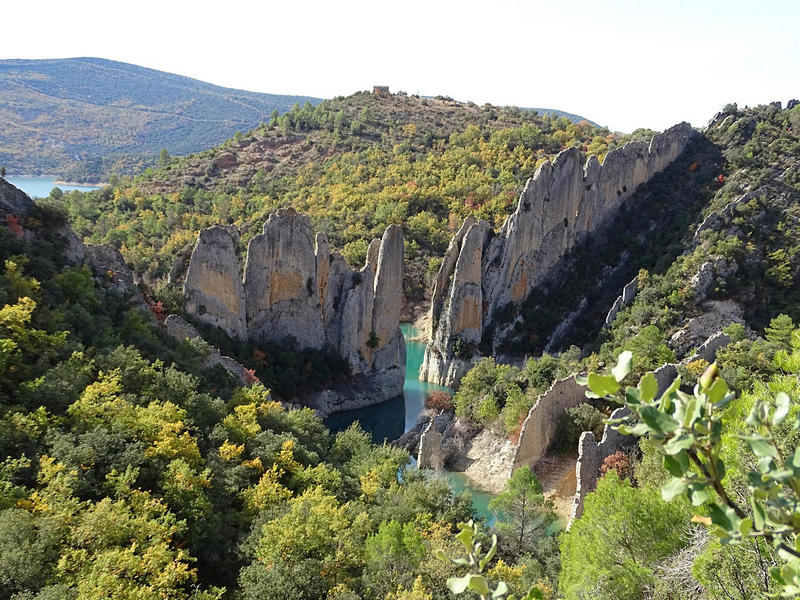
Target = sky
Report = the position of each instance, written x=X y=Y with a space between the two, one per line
x=621 y=63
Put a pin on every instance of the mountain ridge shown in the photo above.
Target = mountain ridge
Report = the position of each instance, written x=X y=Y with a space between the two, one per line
x=83 y=118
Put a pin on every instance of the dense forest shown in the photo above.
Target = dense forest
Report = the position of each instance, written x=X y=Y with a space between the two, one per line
x=131 y=471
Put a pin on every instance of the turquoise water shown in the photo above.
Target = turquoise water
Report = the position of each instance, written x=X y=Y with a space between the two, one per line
x=414 y=390
x=40 y=187
x=389 y=420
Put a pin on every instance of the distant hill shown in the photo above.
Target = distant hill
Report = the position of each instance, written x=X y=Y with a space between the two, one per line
x=82 y=118
x=560 y=113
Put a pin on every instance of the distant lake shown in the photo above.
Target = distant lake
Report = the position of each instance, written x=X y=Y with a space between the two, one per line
x=40 y=187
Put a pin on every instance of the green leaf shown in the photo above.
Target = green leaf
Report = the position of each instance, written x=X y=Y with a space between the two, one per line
x=692 y=413
x=458 y=585
x=782 y=404
x=501 y=589
x=676 y=465
x=673 y=488
x=680 y=442
x=721 y=469
x=759 y=516
x=633 y=395
x=465 y=535
x=603 y=385
x=698 y=494
x=673 y=387
x=658 y=420
x=718 y=390
x=745 y=525
x=637 y=430
x=624 y=364
x=796 y=458
x=760 y=445
x=649 y=387
x=720 y=517
x=489 y=555
x=480 y=584
x=582 y=380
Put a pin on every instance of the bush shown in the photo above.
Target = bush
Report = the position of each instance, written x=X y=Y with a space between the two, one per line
x=619 y=462
x=439 y=400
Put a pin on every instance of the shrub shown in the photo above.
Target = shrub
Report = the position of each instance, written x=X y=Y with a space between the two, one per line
x=439 y=400
x=619 y=462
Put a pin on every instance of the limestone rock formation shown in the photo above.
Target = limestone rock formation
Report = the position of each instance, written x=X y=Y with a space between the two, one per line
x=483 y=273
x=280 y=282
x=294 y=290
x=105 y=263
x=213 y=285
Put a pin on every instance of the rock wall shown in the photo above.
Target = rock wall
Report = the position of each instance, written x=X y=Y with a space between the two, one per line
x=541 y=425
x=482 y=272
x=182 y=331
x=292 y=289
x=627 y=296
x=591 y=455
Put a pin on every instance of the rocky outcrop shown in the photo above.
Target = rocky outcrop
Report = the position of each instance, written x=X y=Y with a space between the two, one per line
x=627 y=296
x=213 y=286
x=541 y=425
x=13 y=201
x=696 y=332
x=104 y=262
x=591 y=455
x=294 y=291
x=182 y=331
x=484 y=273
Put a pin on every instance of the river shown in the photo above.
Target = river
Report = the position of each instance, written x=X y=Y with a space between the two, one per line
x=40 y=187
x=389 y=420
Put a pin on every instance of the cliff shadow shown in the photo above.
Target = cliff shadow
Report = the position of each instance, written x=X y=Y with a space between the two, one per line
x=648 y=232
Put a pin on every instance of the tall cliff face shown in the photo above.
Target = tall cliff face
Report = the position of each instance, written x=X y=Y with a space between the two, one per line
x=292 y=287
x=484 y=273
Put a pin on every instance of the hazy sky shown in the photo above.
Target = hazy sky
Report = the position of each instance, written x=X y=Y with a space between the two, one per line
x=624 y=64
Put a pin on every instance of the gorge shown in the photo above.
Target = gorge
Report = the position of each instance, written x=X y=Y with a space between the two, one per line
x=484 y=273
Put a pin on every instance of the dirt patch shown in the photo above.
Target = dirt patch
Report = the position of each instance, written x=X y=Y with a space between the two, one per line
x=487 y=461
x=556 y=473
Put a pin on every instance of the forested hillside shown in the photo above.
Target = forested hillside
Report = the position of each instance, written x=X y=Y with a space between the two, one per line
x=354 y=165
x=131 y=470
x=82 y=119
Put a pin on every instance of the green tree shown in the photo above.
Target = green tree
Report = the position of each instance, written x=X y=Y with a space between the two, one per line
x=524 y=517
x=391 y=556
x=610 y=552
x=163 y=158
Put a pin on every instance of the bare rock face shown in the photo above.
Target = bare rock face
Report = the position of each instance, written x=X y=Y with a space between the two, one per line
x=388 y=287
x=280 y=282
x=483 y=273
x=293 y=287
x=13 y=200
x=213 y=286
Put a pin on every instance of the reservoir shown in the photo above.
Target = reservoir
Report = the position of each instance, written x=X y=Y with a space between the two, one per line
x=389 y=420
x=40 y=187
